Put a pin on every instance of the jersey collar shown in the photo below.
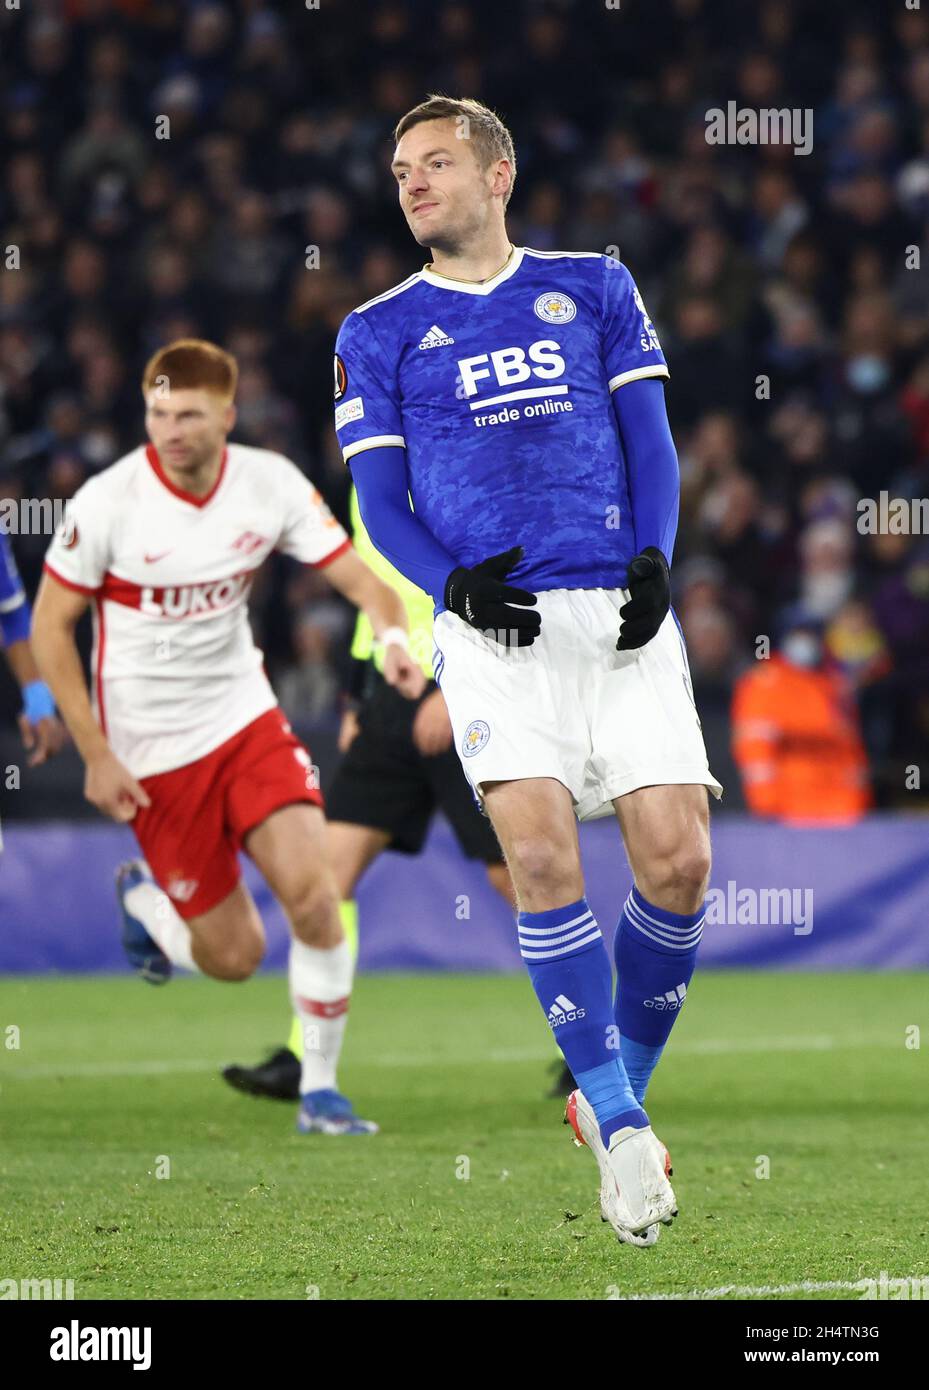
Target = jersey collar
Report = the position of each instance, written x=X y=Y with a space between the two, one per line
x=444 y=282
x=152 y=455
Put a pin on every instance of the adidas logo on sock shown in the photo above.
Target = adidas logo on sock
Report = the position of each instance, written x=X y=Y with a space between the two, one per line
x=674 y=999
x=563 y=1011
x=436 y=338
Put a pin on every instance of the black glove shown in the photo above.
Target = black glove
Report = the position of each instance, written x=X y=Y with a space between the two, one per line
x=480 y=597
x=649 y=585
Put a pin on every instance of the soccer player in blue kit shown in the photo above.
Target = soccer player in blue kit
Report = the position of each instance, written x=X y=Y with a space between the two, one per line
x=40 y=728
x=502 y=411
x=42 y=732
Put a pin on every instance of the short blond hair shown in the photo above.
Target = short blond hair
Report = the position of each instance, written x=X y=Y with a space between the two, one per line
x=490 y=136
x=192 y=364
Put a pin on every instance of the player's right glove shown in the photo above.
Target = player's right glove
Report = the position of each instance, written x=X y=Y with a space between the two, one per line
x=481 y=598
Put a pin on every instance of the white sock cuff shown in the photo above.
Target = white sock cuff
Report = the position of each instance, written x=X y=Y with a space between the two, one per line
x=321 y=973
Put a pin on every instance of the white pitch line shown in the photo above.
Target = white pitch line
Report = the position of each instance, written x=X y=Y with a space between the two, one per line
x=706 y=1047
x=390 y=1060
x=44 y=1070
x=815 y=1043
x=752 y=1290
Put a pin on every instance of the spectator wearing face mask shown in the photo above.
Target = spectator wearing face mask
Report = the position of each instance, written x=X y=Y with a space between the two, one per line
x=795 y=733
x=827 y=571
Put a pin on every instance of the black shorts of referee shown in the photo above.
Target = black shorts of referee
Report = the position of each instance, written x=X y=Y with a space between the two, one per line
x=384 y=782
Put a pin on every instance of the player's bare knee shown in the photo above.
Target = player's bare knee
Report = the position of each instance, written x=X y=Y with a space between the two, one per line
x=312 y=909
x=692 y=874
x=233 y=960
x=678 y=881
x=540 y=872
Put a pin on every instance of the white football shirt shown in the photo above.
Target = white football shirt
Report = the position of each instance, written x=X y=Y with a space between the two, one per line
x=175 y=669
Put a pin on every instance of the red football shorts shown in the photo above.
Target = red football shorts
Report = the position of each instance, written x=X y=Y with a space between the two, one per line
x=200 y=813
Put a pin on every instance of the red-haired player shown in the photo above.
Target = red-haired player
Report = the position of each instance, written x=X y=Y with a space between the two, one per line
x=183 y=736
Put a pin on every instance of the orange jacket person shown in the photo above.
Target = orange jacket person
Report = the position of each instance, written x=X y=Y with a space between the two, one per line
x=796 y=736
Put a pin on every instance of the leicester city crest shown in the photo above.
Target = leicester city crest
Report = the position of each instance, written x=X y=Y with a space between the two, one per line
x=555 y=308
x=476 y=735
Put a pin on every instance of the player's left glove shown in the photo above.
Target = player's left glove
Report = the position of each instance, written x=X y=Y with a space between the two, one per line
x=649 y=585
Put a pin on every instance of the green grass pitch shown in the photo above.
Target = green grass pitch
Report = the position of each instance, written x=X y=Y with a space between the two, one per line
x=113 y=1077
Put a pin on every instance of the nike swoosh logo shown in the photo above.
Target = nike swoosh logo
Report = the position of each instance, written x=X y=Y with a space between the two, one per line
x=151 y=559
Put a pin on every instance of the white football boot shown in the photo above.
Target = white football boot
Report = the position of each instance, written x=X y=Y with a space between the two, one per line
x=636 y=1197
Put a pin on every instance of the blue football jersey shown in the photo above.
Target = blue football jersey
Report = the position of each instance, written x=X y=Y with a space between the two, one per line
x=12 y=593
x=500 y=393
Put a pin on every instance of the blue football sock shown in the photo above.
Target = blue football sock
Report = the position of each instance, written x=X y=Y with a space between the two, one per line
x=640 y=1060
x=656 y=952
x=570 y=972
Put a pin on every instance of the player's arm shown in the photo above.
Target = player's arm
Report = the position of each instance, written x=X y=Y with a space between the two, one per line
x=40 y=728
x=652 y=468
x=478 y=594
x=58 y=610
x=349 y=574
x=653 y=479
x=634 y=365
x=42 y=732
x=381 y=483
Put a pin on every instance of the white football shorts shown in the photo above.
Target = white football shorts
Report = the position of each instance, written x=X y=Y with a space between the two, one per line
x=571 y=706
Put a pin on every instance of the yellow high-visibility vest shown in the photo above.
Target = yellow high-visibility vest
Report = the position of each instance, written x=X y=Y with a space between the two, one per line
x=418 y=605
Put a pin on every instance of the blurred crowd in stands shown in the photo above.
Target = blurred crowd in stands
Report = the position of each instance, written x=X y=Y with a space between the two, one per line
x=790 y=304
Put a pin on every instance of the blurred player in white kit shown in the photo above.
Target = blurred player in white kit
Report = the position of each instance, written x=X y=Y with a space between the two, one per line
x=183 y=736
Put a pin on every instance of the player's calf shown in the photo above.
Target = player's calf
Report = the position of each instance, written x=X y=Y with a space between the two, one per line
x=290 y=849
x=228 y=941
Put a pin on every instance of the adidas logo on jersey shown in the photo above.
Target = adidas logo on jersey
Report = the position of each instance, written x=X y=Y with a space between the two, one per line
x=674 y=999
x=563 y=1011
x=435 y=338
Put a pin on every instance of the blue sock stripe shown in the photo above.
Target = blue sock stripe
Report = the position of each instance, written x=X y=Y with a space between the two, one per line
x=662 y=942
x=575 y=935
x=675 y=928
x=548 y=931
x=564 y=931
x=666 y=943
x=573 y=947
x=554 y=916
x=542 y=943
x=589 y=932
x=670 y=937
x=662 y=915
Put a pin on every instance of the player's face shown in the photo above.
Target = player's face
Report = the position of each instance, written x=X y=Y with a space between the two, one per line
x=188 y=428
x=444 y=193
